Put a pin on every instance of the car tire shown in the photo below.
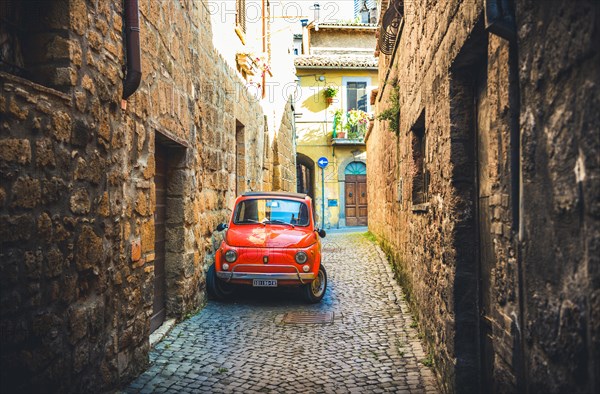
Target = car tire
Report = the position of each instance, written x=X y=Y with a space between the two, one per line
x=217 y=289
x=315 y=291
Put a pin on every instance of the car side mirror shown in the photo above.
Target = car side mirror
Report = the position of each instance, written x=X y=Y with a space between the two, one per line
x=221 y=226
x=321 y=233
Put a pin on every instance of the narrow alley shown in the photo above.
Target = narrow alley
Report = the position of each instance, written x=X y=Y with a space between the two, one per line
x=155 y=154
x=363 y=340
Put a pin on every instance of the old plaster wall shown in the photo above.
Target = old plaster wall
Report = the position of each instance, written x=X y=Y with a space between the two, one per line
x=331 y=40
x=78 y=199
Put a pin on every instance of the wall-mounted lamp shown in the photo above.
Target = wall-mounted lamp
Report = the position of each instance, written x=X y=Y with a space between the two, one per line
x=318 y=77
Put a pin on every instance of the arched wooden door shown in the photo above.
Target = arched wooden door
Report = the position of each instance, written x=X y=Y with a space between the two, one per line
x=356 y=194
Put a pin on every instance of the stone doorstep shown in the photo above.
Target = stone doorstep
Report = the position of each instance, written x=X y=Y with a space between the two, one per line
x=161 y=332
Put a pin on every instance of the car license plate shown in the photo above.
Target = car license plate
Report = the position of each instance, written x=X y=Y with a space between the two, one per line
x=264 y=283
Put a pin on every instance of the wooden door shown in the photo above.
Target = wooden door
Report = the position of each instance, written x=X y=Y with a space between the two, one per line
x=356 y=200
x=160 y=216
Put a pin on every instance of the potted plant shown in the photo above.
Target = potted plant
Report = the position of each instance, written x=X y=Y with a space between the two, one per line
x=338 y=131
x=330 y=92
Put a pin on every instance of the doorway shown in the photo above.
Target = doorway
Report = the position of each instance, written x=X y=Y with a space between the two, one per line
x=470 y=129
x=170 y=163
x=355 y=187
x=159 y=310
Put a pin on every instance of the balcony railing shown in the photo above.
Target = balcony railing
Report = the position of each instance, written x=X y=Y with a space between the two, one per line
x=350 y=127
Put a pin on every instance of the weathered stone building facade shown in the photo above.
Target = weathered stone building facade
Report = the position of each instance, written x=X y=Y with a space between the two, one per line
x=108 y=210
x=486 y=196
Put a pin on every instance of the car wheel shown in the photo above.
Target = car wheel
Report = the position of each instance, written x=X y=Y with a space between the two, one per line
x=314 y=291
x=217 y=289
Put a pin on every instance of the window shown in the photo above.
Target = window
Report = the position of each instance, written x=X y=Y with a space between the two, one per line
x=356 y=168
x=355 y=93
x=30 y=33
x=356 y=96
x=240 y=158
x=420 y=184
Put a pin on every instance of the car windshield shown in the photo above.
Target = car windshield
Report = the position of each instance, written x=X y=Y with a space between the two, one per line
x=271 y=211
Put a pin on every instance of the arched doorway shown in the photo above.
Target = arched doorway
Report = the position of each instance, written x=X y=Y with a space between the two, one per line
x=355 y=190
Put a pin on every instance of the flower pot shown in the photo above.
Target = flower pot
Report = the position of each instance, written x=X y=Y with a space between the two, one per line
x=341 y=134
x=329 y=100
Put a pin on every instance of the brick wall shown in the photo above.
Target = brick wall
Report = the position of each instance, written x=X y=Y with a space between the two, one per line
x=78 y=198
x=459 y=254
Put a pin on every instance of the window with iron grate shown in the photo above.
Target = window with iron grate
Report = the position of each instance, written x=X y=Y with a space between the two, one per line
x=34 y=41
x=420 y=173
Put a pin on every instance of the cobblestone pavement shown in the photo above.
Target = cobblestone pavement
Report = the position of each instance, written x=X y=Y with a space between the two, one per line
x=247 y=346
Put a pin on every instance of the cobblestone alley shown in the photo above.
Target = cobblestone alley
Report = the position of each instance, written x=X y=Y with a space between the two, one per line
x=251 y=344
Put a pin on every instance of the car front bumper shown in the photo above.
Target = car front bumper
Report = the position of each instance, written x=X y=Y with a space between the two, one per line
x=302 y=277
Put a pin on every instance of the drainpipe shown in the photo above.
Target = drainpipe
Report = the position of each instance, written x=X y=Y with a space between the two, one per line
x=264 y=45
x=132 y=42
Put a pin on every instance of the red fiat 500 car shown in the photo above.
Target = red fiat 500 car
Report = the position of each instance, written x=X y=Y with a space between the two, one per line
x=271 y=241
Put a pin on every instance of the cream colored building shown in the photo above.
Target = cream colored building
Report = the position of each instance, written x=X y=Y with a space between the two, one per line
x=337 y=56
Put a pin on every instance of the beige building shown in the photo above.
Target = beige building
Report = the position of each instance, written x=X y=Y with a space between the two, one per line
x=336 y=72
x=111 y=191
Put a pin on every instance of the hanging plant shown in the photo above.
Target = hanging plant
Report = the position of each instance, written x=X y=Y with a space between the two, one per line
x=330 y=91
x=392 y=112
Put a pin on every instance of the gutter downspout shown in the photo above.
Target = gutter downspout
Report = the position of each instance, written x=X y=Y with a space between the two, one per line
x=264 y=46
x=133 y=76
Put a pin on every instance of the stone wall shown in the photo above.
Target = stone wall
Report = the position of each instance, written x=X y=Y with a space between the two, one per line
x=284 y=149
x=559 y=75
x=78 y=198
x=475 y=248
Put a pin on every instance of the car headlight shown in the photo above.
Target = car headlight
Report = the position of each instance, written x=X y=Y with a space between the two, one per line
x=301 y=257
x=230 y=256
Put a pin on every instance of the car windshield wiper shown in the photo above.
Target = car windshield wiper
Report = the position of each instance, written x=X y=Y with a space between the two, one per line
x=251 y=221
x=276 y=221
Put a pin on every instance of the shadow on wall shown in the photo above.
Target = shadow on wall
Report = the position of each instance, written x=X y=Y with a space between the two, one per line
x=314 y=103
x=312 y=136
